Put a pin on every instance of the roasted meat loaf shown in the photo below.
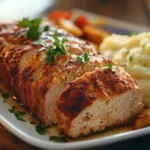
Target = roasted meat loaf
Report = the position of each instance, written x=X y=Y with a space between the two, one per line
x=91 y=96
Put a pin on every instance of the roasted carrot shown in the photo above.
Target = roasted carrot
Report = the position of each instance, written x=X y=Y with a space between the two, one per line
x=57 y=14
x=81 y=21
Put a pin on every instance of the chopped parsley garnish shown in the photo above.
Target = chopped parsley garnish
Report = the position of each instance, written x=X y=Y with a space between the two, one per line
x=143 y=46
x=18 y=114
x=5 y=95
x=58 y=49
x=12 y=110
x=46 y=28
x=34 y=31
x=83 y=58
x=58 y=139
x=32 y=122
x=113 y=68
x=132 y=34
x=41 y=128
x=130 y=58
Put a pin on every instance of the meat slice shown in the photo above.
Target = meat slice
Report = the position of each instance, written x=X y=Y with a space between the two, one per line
x=98 y=100
x=43 y=92
x=26 y=66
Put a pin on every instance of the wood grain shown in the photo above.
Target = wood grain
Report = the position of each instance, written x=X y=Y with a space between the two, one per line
x=9 y=141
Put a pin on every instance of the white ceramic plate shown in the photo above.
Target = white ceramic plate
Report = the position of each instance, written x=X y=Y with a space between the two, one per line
x=27 y=133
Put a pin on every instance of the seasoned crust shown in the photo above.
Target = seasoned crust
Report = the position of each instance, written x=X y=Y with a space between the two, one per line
x=102 y=83
x=96 y=89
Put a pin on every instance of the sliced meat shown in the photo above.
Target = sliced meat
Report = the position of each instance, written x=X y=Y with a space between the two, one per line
x=50 y=83
x=98 y=100
x=39 y=83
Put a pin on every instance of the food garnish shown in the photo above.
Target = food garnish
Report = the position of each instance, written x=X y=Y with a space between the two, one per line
x=130 y=58
x=34 y=31
x=32 y=122
x=41 y=128
x=58 y=49
x=113 y=68
x=132 y=34
x=58 y=139
x=18 y=114
x=5 y=95
x=83 y=58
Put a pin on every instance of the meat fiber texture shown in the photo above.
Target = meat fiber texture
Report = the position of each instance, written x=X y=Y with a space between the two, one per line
x=40 y=85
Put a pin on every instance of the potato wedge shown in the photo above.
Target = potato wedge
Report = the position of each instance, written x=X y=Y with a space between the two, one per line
x=70 y=27
x=93 y=34
x=143 y=120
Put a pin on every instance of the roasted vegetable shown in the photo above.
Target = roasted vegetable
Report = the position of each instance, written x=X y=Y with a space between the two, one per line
x=81 y=21
x=57 y=14
x=94 y=34
x=143 y=120
x=70 y=27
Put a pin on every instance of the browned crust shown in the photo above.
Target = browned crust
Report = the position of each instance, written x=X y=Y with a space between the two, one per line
x=100 y=84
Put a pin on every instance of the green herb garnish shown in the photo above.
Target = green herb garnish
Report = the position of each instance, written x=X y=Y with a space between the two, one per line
x=143 y=46
x=83 y=58
x=132 y=34
x=12 y=110
x=58 y=139
x=41 y=128
x=113 y=68
x=32 y=122
x=34 y=31
x=58 y=49
x=46 y=28
x=130 y=58
x=5 y=95
x=18 y=114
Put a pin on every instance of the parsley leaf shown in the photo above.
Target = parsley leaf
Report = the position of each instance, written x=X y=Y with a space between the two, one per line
x=5 y=95
x=41 y=128
x=83 y=58
x=58 y=49
x=58 y=139
x=36 y=22
x=46 y=28
x=33 y=33
x=18 y=114
x=50 y=55
x=34 y=30
x=32 y=122
x=113 y=68
x=132 y=34
x=25 y=22
x=12 y=110
x=130 y=58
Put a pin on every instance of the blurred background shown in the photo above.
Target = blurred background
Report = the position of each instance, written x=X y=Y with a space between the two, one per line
x=135 y=11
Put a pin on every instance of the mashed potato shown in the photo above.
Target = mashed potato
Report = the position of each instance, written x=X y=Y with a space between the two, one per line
x=133 y=53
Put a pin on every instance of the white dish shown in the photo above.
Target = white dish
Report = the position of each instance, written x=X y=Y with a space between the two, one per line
x=27 y=133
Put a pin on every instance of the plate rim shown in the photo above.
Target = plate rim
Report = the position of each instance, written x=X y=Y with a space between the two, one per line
x=71 y=145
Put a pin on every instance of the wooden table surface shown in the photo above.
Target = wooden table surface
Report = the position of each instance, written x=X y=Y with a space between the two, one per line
x=136 y=11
